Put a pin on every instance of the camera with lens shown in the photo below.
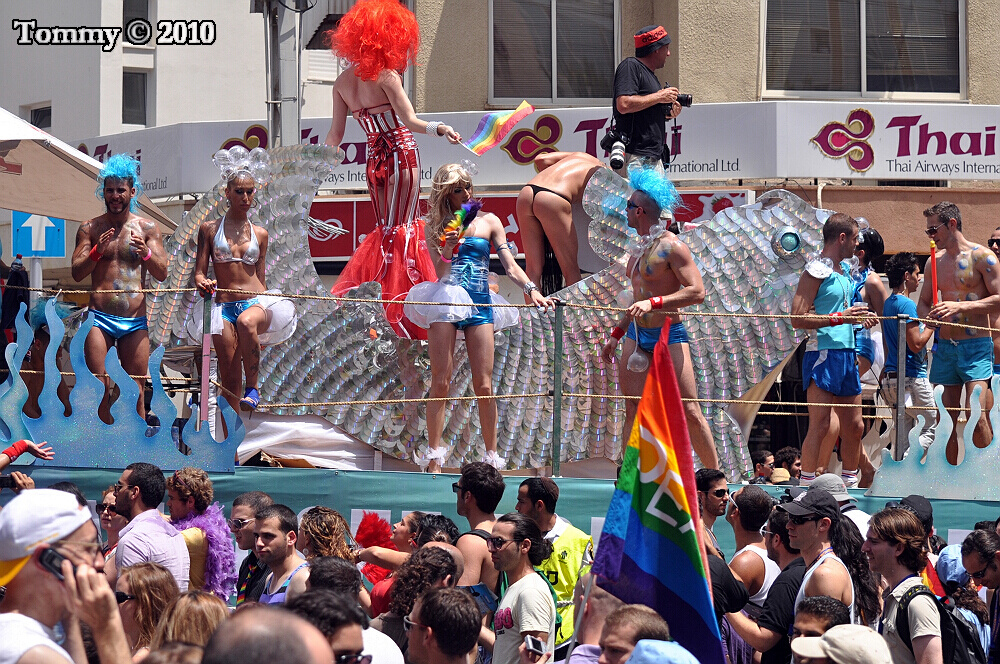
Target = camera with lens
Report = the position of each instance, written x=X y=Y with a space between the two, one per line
x=684 y=100
x=615 y=142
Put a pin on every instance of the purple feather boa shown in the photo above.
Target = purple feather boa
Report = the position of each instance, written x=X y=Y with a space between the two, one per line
x=220 y=561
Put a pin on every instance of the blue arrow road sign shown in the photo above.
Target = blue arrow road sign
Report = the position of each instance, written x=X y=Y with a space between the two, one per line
x=36 y=235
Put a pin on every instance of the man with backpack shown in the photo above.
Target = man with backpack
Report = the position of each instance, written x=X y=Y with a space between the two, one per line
x=916 y=627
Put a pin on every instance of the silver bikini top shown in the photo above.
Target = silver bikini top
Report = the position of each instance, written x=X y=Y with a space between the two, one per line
x=222 y=253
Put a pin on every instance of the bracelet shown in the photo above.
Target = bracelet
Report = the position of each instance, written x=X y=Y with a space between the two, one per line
x=837 y=318
x=149 y=254
x=509 y=246
x=16 y=450
x=617 y=333
x=432 y=128
x=443 y=259
x=656 y=302
x=95 y=255
x=530 y=286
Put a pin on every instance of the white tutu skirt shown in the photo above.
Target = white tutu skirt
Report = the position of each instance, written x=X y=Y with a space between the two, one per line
x=452 y=304
x=283 y=319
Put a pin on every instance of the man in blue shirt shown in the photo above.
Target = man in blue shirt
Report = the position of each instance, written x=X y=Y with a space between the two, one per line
x=904 y=278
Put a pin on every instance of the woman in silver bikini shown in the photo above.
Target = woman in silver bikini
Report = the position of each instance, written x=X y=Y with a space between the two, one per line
x=237 y=249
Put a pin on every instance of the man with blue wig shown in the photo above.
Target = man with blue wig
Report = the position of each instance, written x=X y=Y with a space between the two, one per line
x=117 y=250
x=664 y=280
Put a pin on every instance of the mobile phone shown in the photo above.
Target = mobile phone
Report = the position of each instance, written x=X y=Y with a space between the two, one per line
x=534 y=645
x=6 y=482
x=51 y=560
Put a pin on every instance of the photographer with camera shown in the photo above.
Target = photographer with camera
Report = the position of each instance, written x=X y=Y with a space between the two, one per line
x=641 y=106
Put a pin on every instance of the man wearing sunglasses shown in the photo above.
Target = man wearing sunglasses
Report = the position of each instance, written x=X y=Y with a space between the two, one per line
x=443 y=627
x=713 y=497
x=981 y=559
x=822 y=305
x=34 y=526
x=811 y=519
x=969 y=283
x=253 y=573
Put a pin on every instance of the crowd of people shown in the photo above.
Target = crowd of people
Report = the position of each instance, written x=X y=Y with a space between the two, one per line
x=804 y=584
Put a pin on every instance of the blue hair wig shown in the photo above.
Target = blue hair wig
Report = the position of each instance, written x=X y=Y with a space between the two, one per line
x=121 y=167
x=656 y=185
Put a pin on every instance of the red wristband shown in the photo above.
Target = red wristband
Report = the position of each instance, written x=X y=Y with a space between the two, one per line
x=836 y=318
x=16 y=450
x=617 y=333
x=95 y=255
x=657 y=302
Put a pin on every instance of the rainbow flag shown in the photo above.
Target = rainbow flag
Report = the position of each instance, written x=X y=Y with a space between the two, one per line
x=649 y=551
x=494 y=127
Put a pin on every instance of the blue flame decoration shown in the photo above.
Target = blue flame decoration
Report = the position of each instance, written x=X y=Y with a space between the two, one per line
x=82 y=440
x=973 y=479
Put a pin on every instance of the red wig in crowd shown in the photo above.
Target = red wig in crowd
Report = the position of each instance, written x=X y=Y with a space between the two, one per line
x=376 y=35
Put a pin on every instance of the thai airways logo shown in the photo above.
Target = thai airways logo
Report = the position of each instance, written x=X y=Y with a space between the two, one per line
x=849 y=139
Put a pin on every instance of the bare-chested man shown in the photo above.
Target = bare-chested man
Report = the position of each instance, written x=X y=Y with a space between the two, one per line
x=664 y=279
x=117 y=250
x=969 y=283
x=545 y=210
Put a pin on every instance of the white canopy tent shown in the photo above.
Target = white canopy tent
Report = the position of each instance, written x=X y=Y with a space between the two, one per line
x=42 y=175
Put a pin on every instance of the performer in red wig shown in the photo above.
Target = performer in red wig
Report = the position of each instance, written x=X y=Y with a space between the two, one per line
x=379 y=38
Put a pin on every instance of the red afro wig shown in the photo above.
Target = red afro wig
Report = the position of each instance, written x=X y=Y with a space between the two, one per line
x=376 y=35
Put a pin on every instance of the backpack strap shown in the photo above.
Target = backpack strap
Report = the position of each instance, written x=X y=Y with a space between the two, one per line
x=902 y=615
x=479 y=532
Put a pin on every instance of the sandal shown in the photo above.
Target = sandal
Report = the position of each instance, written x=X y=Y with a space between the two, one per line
x=250 y=400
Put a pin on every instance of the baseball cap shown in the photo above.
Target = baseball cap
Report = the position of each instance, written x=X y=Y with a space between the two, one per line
x=922 y=508
x=845 y=644
x=780 y=476
x=35 y=517
x=814 y=501
x=949 y=567
x=832 y=484
x=650 y=651
x=649 y=39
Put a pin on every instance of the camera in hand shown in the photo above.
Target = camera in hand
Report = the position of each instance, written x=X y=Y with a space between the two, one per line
x=617 y=160
x=6 y=482
x=684 y=100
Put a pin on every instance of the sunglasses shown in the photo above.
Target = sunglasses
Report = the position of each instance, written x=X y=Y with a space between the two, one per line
x=802 y=520
x=718 y=493
x=629 y=205
x=456 y=487
x=764 y=531
x=981 y=573
x=236 y=524
x=496 y=543
x=409 y=624
x=121 y=597
x=105 y=508
x=993 y=242
x=352 y=659
x=934 y=229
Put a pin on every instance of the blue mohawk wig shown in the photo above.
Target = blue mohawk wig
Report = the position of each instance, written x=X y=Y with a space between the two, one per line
x=121 y=167
x=656 y=185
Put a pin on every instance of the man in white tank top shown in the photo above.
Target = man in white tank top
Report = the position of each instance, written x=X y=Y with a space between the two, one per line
x=748 y=511
x=811 y=518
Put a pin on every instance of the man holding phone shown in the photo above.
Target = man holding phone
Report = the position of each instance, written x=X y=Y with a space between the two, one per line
x=51 y=564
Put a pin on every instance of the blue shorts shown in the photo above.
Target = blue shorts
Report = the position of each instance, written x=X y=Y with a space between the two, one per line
x=648 y=336
x=483 y=315
x=864 y=346
x=834 y=370
x=962 y=361
x=118 y=326
x=996 y=369
x=232 y=310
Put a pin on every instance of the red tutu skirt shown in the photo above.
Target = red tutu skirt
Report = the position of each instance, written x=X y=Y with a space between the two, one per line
x=397 y=260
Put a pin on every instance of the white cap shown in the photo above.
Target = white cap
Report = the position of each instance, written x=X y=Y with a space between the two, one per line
x=845 y=644
x=34 y=517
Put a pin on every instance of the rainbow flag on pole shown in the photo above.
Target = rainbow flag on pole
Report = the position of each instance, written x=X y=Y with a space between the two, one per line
x=494 y=127
x=649 y=551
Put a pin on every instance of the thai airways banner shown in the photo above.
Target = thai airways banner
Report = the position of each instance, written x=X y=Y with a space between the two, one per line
x=709 y=142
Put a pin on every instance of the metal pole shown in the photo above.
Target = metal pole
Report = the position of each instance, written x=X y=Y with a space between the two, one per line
x=557 y=393
x=901 y=434
x=34 y=278
x=206 y=361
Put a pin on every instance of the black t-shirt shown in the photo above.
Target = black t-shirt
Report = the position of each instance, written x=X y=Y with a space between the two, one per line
x=779 y=611
x=647 y=128
x=255 y=581
x=728 y=594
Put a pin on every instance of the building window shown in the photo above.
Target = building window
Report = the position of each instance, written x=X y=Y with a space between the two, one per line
x=42 y=117
x=134 y=98
x=866 y=48
x=552 y=50
x=133 y=9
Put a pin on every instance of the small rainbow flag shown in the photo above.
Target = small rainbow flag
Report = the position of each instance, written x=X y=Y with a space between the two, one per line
x=649 y=551
x=494 y=127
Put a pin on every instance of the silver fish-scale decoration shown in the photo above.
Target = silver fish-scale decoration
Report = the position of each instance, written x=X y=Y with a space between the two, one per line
x=346 y=352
